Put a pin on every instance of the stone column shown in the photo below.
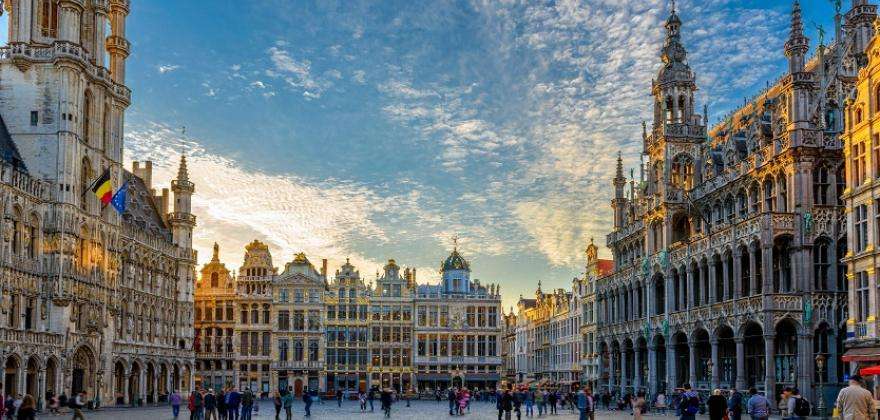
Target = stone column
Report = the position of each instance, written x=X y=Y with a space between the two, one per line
x=805 y=361
x=612 y=371
x=753 y=267
x=737 y=274
x=716 y=364
x=713 y=278
x=767 y=267
x=770 y=369
x=125 y=388
x=652 y=379
x=41 y=389
x=690 y=286
x=740 y=363
x=725 y=272
x=637 y=369
x=681 y=299
x=624 y=380
x=692 y=362
x=671 y=368
x=831 y=362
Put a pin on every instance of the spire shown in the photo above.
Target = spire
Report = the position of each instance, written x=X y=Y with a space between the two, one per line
x=797 y=45
x=673 y=51
x=216 y=257
x=182 y=172
x=619 y=174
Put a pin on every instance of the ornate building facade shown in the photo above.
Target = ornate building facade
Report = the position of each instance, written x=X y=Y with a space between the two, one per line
x=92 y=300
x=391 y=325
x=861 y=150
x=215 y=317
x=347 y=304
x=726 y=272
x=595 y=269
x=457 y=329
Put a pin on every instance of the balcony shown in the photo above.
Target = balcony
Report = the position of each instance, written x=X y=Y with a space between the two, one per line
x=296 y=365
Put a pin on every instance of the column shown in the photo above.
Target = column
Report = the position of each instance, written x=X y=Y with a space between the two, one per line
x=623 y=376
x=671 y=369
x=737 y=274
x=125 y=388
x=652 y=379
x=740 y=363
x=611 y=372
x=726 y=274
x=713 y=268
x=716 y=364
x=690 y=286
x=41 y=388
x=753 y=266
x=831 y=362
x=770 y=369
x=681 y=299
x=692 y=362
x=637 y=369
x=767 y=268
x=669 y=289
x=805 y=361
x=142 y=385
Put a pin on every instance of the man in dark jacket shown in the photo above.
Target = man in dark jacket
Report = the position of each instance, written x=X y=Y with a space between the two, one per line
x=371 y=395
x=505 y=405
x=734 y=405
x=453 y=401
x=307 y=399
x=386 y=401
x=210 y=402
x=233 y=399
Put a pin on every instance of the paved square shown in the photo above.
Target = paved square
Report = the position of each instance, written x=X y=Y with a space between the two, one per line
x=419 y=410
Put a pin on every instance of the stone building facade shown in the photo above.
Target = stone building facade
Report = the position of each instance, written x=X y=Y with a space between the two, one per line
x=595 y=268
x=92 y=300
x=861 y=151
x=344 y=333
x=726 y=272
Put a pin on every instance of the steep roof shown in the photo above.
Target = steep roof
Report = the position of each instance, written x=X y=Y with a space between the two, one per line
x=142 y=210
x=8 y=150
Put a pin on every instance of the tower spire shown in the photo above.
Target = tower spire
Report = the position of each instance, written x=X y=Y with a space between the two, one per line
x=182 y=171
x=216 y=256
x=797 y=45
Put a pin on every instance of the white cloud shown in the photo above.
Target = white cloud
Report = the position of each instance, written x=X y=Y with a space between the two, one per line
x=258 y=84
x=297 y=73
x=359 y=77
x=167 y=68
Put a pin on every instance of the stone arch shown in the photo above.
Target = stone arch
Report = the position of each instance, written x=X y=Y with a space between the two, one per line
x=52 y=377
x=120 y=375
x=31 y=377
x=12 y=367
x=83 y=370
x=786 y=350
x=752 y=334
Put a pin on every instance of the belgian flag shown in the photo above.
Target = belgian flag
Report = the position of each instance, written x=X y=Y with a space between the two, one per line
x=103 y=188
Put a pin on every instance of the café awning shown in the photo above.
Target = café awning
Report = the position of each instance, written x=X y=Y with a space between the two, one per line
x=861 y=354
x=871 y=370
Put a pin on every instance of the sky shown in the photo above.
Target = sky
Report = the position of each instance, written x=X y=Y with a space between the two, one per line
x=372 y=130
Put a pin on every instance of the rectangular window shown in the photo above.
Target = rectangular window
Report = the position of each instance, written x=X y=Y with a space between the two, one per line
x=860 y=218
x=862 y=295
x=493 y=317
x=35 y=116
x=284 y=320
x=284 y=295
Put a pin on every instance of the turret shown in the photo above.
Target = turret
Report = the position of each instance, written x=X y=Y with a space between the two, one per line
x=797 y=45
x=182 y=220
x=619 y=202
x=859 y=23
x=674 y=88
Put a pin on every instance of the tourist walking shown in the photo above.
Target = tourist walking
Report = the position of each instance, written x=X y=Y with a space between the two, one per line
x=551 y=401
x=276 y=402
x=798 y=406
x=758 y=407
x=529 y=402
x=541 y=401
x=717 y=405
x=660 y=402
x=233 y=399
x=386 y=400
x=210 y=403
x=690 y=404
x=518 y=398
x=855 y=402
x=639 y=406
x=338 y=397
x=452 y=397
x=28 y=409
x=505 y=405
x=734 y=405
x=287 y=403
x=307 y=399
x=174 y=399
x=362 y=398
x=247 y=404
x=78 y=403
x=371 y=395
x=222 y=410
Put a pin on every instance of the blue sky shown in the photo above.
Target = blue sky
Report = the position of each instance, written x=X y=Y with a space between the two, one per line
x=377 y=130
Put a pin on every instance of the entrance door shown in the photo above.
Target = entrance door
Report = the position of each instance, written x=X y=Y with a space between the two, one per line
x=298 y=387
x=78 y=377
x=282 y=383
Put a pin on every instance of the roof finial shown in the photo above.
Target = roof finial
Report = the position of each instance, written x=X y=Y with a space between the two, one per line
x=673 y=6
x=216 y=257
x=182 y=172
x=454 y=243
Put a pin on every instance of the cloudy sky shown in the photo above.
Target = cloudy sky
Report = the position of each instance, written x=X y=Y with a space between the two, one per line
x=376 y=130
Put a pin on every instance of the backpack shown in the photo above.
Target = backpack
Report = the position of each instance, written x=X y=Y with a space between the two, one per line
x=693 y=405
x=801 y=407
x=72 y=403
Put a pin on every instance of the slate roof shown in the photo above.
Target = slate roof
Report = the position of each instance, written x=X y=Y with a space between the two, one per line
x=8 y=150
x=142 y=210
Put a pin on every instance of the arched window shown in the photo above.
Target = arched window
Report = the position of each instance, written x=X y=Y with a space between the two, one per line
x=742 y=203
x=681 y=227
x=858 y=115
x=49 y=18
x=782 y=187
x=33 y=244
x=822 y=264
x=755 y=197
x=105 y=130
x=669 y=107
x=313 y=351
x=821 y=186
x=298 y=351
x=683 y=172
x=214 y=279
x=682 y=106
x=769 y=195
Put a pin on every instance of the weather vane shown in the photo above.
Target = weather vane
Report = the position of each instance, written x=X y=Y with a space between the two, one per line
x=455 y=242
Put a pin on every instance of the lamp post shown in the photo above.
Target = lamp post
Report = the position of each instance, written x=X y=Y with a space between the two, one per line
x=820 y=404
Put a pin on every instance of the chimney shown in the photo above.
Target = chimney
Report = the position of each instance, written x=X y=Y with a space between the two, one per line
x=164 y=201
x=145 y=173
x=324 y=268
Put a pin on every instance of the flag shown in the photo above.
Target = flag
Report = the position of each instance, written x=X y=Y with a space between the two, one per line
x=103 y=188
x=120 y=198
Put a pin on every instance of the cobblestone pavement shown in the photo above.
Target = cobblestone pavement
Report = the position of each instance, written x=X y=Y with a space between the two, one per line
x=419 y=410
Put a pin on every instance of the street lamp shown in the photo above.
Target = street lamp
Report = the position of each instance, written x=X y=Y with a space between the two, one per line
x=820 y=405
